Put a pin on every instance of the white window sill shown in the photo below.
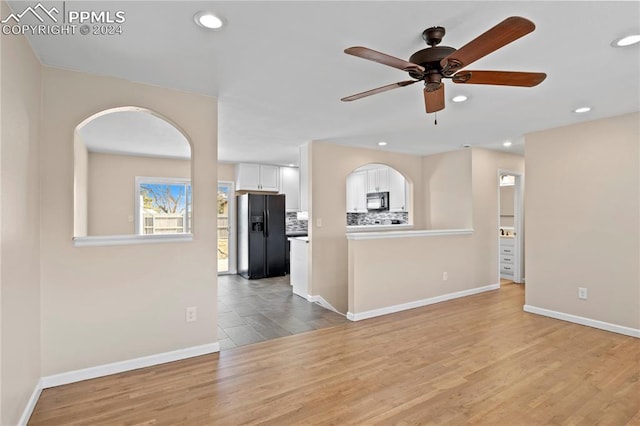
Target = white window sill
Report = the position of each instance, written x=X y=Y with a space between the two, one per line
x=120 y=240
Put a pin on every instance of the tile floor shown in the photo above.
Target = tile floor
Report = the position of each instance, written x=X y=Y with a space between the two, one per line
x=251 y=311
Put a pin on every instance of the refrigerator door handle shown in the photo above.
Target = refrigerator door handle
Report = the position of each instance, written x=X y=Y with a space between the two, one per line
x=266 y=224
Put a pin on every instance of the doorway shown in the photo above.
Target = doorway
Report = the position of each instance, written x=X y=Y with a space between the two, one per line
x=226 y=228
x=510 y=226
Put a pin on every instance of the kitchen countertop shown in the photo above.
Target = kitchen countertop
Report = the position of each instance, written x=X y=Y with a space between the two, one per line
x=297 y=233
x=304 y=238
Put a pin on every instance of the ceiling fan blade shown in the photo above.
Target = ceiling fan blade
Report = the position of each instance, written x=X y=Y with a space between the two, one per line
x=383 y=58
x=434 y=101
x=378 y=90
x=502 y=34
x=500 y=78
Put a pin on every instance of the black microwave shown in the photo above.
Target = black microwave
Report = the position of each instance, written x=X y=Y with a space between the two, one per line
x=377 y=201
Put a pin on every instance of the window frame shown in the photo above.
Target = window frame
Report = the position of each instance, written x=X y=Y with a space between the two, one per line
x=188 y=219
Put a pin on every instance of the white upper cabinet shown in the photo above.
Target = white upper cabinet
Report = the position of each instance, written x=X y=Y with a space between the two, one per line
x=257 y=177
x=269 y=176
x=378 y=179
x=248 y=177
x=357 y=192
x=290 y=187
x=397 y=191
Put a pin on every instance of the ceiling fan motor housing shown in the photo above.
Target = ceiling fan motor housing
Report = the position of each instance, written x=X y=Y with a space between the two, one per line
x=430 y=58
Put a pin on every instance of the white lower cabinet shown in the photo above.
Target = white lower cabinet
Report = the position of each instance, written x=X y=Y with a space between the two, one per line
x=299 y=258
x=506 y=257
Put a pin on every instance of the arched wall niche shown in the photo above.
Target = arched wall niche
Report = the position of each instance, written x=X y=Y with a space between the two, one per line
x=132 y=176
x=393 y=188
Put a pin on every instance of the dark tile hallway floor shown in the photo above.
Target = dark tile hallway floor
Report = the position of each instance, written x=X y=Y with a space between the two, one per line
x=250 y=311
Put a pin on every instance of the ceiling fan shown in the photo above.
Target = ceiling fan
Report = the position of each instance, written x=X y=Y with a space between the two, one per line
x=434 y=63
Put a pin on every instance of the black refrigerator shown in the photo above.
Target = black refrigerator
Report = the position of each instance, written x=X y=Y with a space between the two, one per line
x=261 y=236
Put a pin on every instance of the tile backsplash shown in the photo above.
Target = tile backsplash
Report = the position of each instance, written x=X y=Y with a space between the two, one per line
x=292 y=223
x=376 y=218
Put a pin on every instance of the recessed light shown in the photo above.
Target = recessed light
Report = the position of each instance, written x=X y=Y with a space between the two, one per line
x=466 y=145
x=208 y=20
x=582 y=109
x=507 y=143
x=292 y=165
x=626 y=40
x=459 y=98
x=382 y=143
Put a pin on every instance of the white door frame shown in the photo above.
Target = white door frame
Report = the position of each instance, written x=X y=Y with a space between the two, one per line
x=518 y=223
x=232 y=269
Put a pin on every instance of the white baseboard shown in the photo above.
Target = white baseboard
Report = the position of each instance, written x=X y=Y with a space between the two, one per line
x=419 y=303
x=28 y=410
x=322 y=302
x=620 y=329
x=128 y=365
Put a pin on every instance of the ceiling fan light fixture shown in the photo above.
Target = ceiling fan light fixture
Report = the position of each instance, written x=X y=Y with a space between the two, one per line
x=626 y=40
x=208 y=20
x=582 y=110
x=459 y=98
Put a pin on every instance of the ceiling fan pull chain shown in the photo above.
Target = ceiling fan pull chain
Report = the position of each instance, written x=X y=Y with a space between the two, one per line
x=435 y=121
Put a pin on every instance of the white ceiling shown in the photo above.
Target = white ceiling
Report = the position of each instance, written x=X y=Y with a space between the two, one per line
x=278 y=69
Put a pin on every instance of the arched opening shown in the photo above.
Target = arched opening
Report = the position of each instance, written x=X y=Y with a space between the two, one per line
x=132 y=175
x=378 y=195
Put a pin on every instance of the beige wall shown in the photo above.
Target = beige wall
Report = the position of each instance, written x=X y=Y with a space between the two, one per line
x=590 y=238
x=507 y=194
x=471 y=261
x=447 y=186
x=20 y=227
x=107 y=304
x=394 y=271
x=330 y=165
x=227 y=171
x=112 y=188
x=81 y=187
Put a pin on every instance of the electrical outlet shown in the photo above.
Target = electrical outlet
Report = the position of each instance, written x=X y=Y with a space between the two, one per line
x=445 y=276
x=582 y=293
x=191 y=314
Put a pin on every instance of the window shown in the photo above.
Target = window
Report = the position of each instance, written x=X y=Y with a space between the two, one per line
x=163 y=206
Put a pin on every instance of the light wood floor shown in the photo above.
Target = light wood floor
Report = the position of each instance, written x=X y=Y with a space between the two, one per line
x=479 y=359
